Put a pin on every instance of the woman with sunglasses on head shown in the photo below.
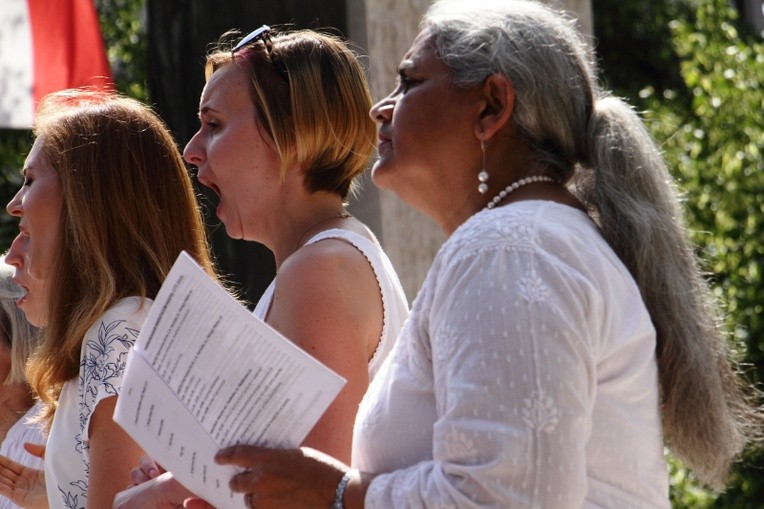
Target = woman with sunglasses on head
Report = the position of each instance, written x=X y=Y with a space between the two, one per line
x=284 y=133
x=105 y=209
x=563 y=329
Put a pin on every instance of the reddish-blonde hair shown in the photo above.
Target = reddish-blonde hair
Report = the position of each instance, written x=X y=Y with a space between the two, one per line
x=128 y=210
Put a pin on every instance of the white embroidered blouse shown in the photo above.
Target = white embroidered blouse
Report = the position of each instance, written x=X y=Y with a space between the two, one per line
x=102 y=366
x=524 y=377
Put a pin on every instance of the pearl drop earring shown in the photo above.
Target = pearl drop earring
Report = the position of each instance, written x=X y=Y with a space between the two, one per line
x=483 y=175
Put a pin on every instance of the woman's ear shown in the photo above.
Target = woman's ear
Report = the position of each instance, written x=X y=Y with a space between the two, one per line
x=498 y=96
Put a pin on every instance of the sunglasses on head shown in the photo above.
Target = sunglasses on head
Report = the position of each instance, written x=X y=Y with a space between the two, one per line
x=262 y=34
x=253 y=36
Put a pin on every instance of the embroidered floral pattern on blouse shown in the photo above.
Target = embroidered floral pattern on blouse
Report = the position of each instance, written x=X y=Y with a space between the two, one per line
x=70 y=500
x=517 y=229
x=402 y=487
x=446 y=340
x=533 y=289
x=539 y=412
x=459 y=447
x=417 y=355
x=101 y=370
x=479 y=234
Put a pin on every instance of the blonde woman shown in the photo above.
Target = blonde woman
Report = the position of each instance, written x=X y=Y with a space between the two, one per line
x=284 y=134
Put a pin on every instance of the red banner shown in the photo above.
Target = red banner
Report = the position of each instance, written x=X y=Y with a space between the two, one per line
x=47 y=46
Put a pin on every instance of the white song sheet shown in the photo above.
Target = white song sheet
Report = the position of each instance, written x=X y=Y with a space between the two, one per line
x=205 y=373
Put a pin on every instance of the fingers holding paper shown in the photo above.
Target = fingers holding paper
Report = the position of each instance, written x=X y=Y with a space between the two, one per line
x=147 y=470
x=161 y=492
x=293 y=478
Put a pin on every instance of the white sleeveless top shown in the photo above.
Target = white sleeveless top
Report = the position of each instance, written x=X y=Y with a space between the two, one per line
x=394 y=303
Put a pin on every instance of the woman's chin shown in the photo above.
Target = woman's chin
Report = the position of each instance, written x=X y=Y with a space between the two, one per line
x=380 y=175
x=33 y=316
x=233 y=231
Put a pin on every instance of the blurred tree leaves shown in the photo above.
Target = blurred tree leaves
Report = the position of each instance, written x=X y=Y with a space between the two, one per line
x=14 y=145
x=123 y=27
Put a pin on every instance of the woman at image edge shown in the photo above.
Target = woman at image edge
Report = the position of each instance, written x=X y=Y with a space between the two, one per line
x=105 y=209
x=563 y=319
x=17 y=405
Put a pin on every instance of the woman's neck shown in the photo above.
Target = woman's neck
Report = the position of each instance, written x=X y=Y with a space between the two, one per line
x=315 y=213
x=15 y=400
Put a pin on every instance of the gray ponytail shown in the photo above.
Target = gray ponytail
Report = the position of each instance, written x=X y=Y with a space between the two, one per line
x=632 y=197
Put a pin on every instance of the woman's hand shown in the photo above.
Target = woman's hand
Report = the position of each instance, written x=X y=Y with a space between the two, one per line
x=162 y=492
x=284 y=478
x=24 y=486
x=146 y=471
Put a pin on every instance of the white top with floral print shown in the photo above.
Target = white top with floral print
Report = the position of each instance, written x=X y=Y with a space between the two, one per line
x=102 y=365
x=524 y=377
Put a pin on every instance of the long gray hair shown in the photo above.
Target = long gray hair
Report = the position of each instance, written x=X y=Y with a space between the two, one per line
x=601 y=149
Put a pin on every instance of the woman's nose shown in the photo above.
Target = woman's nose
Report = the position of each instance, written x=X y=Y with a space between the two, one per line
x=14 y=206
x=15 y=256
x=383 y=110
x=193 y=153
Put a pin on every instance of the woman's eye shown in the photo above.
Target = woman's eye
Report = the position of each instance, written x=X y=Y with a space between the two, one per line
x=209 y=122
x=405 y=82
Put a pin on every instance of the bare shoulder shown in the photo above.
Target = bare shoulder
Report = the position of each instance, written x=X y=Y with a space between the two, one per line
x=327 y=289
x=331 y=263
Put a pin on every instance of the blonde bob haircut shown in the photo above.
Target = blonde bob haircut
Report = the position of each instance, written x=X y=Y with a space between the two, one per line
x=312 y=98
x=128 y=210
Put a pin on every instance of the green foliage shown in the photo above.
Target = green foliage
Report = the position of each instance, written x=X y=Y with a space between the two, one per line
x=715 y=146
x=631 y=44
x=124 y=32
x=14 y=145
x=685 y=488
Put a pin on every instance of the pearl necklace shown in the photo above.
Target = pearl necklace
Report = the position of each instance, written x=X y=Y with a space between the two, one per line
x=516 y=185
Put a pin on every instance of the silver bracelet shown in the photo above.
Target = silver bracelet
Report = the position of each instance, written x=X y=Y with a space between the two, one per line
x=339 y=492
